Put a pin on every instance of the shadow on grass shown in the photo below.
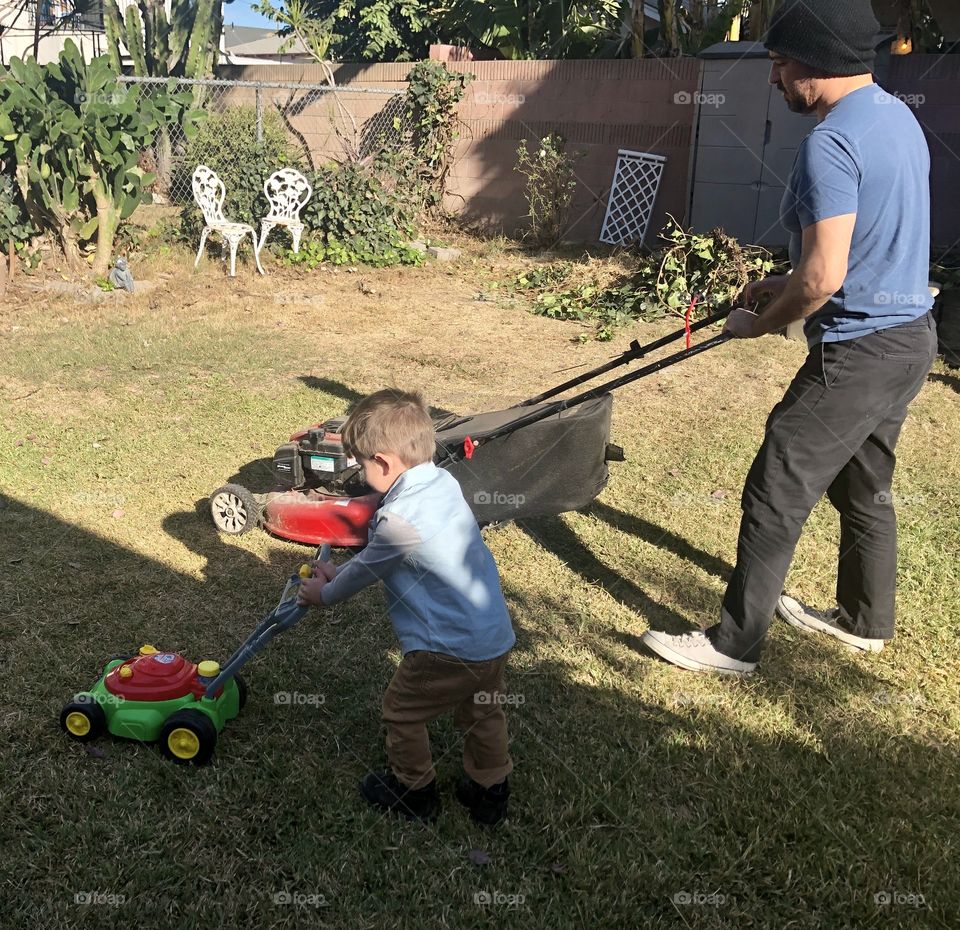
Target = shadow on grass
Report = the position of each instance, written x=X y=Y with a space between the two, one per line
x=659 y=537
x=630 y=792
x=348 y=394
x=256 y=476
x=951 y=381
x=333 y=388
x=554 y=535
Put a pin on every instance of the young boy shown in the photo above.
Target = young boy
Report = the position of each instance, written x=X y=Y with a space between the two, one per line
x=446 y=605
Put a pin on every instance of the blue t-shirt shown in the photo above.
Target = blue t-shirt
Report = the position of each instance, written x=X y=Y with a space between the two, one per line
x=443 y=587
x=868 y=157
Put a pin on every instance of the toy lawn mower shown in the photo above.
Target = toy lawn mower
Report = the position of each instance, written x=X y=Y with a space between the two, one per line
x=161 y=697
x=540 y=457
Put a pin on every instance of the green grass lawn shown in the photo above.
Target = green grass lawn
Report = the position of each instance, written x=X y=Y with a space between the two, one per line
x=644 y=796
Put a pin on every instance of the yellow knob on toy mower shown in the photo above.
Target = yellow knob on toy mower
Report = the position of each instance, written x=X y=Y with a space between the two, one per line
x=305 y=571
x=208 y=669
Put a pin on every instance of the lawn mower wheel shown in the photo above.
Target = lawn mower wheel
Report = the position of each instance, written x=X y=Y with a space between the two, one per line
x=234 y=509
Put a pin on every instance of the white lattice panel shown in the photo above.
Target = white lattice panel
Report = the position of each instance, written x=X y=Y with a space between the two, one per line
x=634 y=190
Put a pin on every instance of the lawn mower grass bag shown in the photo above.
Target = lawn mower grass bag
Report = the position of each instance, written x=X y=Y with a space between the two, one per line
x=547 y=467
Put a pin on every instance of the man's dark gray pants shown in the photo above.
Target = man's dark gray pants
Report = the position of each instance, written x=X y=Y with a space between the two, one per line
x=834 y=432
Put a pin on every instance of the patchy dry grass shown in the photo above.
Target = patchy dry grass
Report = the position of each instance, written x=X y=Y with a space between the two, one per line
x=644 y=796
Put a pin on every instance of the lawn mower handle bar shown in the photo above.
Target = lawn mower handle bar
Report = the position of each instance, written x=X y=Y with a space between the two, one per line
x=634 y=352
x=281 y=618
x=600 y=389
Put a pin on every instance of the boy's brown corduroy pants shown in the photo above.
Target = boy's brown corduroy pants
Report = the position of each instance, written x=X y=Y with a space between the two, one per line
x=428 y=685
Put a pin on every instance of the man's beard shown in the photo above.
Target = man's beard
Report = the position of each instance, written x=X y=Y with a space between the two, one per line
x=796 y=104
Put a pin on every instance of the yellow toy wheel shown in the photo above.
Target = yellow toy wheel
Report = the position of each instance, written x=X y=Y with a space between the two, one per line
x=188 y=736
x=78 y=723
x=83 y=718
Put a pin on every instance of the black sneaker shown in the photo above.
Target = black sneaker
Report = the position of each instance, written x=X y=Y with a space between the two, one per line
x=487 y=806
x=386 y=792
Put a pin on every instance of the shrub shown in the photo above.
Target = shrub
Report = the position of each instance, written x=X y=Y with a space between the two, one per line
x=710 y=266
x=550 y=185
x=360 y=212
x=74 y=133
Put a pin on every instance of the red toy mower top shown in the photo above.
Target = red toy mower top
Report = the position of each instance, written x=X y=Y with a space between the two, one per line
x=156 y=676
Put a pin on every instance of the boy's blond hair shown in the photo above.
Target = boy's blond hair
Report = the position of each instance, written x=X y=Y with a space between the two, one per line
x=394 y=421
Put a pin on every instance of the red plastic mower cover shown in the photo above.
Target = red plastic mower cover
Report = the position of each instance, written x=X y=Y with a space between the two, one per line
x=161 y=676
x=317 y=518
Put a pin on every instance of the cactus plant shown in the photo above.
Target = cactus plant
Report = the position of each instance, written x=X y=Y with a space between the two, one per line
x=185 y=45
x=74 y=134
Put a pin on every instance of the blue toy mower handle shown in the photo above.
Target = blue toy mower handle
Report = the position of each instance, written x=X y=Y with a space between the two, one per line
x=286 y=614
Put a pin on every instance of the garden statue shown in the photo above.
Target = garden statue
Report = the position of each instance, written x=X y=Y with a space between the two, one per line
x=120 y=275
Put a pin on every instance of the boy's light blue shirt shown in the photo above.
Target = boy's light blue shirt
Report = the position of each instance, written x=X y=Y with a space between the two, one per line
x=443 y=587
x=869 y=157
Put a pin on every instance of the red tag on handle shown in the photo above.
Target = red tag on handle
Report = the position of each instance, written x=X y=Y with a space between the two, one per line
x=686 y=322
x=468 y=446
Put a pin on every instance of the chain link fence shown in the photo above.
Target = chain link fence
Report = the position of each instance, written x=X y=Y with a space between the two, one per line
x=306 y=125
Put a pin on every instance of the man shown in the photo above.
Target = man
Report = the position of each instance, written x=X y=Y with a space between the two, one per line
x=857 y=207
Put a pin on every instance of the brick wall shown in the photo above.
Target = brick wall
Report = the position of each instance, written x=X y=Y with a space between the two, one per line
x=599 y=106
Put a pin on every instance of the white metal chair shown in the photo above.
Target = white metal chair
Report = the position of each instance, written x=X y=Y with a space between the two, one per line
x=209 y=193
x=287 y=192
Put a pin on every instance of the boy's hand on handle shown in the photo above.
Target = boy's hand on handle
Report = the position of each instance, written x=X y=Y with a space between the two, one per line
x=311 y=590
x=325 y=569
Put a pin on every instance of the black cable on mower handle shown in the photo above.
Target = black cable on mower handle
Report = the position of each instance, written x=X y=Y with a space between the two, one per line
x=634 y=352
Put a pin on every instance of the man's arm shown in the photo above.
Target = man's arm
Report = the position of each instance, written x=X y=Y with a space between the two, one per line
x=819 y=275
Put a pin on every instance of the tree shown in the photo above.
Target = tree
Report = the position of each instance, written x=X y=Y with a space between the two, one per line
x=356 y=30
x=401 y=30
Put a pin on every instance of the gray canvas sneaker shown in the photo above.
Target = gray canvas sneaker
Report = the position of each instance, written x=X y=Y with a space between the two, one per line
x=695 y=652
x=806 y=618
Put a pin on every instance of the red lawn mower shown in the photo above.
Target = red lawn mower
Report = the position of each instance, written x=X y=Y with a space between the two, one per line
x=540 y=457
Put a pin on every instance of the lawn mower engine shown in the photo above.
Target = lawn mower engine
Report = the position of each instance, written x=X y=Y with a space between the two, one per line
x=314 y=458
